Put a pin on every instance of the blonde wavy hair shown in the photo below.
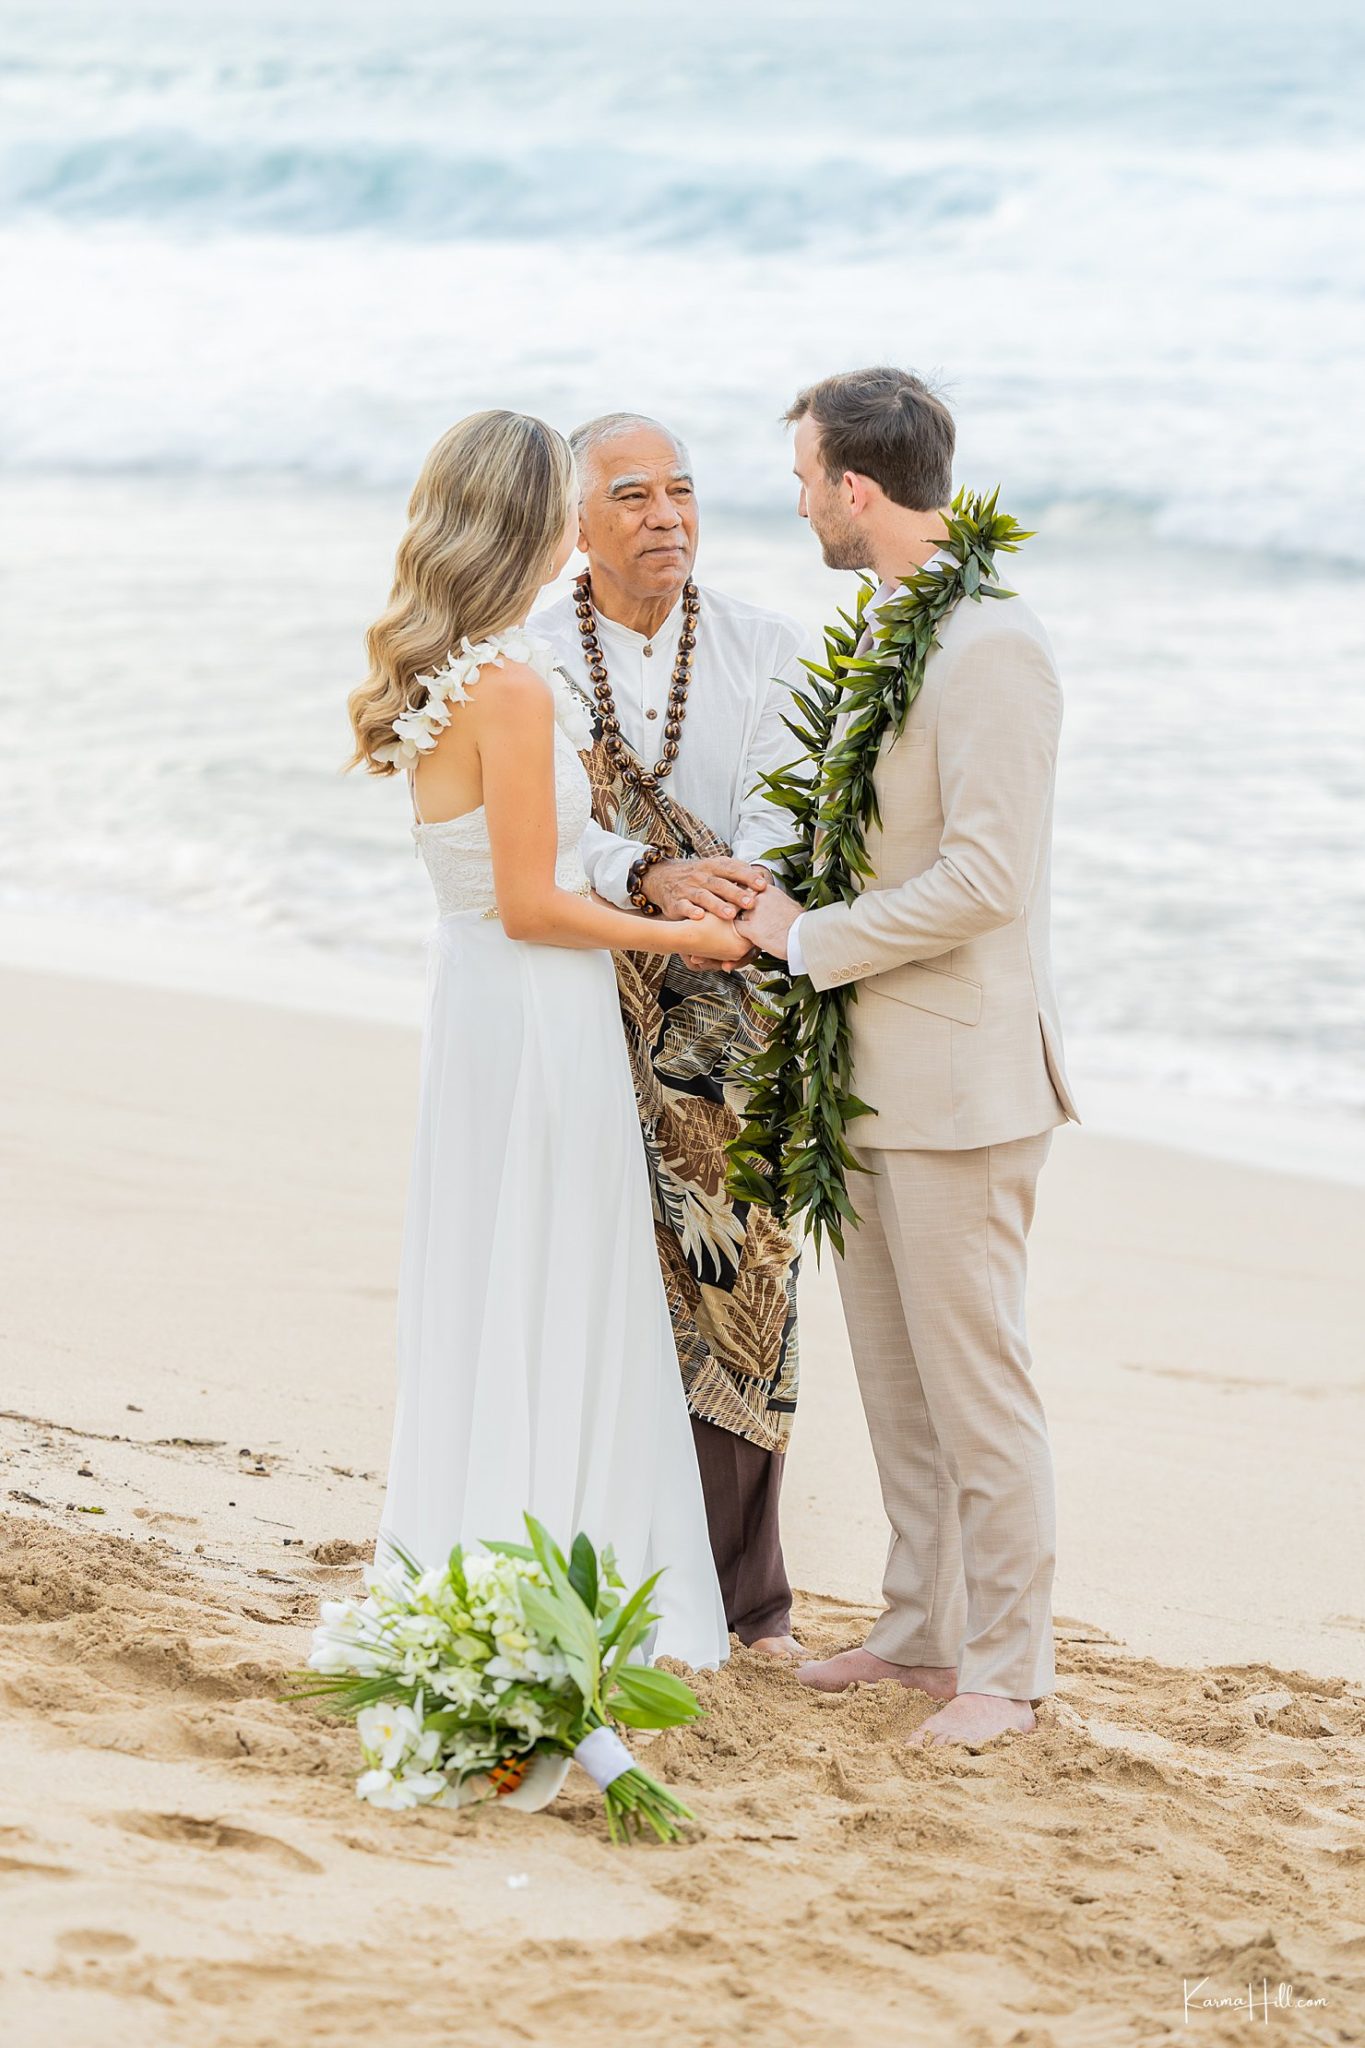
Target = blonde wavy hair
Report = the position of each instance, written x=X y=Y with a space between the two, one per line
x=483 y=523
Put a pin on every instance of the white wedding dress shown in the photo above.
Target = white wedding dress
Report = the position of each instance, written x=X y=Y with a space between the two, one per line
x=537 y=1368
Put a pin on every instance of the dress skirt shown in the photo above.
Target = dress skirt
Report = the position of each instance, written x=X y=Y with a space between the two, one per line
x=537 y=1367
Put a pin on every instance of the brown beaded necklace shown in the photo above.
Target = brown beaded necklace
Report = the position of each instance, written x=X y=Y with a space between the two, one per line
x=642 y=778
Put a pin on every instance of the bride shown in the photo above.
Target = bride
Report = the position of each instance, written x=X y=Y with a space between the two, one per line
x=537 y=1368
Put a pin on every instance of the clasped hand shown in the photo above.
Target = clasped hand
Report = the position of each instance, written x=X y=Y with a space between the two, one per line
x=718 y=889
x=727 y=890
x=720 y=884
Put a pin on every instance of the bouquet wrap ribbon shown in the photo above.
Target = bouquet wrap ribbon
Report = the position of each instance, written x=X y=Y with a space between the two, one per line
x=604 y=1757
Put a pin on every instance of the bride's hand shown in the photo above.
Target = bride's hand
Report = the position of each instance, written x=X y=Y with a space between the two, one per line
x=714 y=941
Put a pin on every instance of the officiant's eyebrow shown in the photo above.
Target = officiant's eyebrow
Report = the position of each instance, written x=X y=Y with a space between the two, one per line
x=635 y=479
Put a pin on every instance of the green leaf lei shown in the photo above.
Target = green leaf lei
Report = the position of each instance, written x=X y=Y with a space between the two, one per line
x=791 y=1154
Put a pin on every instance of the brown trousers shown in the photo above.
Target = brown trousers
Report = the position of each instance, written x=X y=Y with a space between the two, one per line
x=741 y=1483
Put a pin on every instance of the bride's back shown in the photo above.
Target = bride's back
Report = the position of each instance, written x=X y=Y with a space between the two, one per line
x=457 y=850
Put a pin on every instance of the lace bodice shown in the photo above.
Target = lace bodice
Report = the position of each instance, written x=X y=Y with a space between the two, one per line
x=457 y=853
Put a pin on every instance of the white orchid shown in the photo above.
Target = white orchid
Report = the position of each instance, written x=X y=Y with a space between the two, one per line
x=386 y=1580
x=519 y=645
x=418 y=1631
x=336 y=1659
x=457 y=1683
x=397 y=1794
x=433 y=1586
x=380 y=1788
x=393 y=1735
x=422 y=722
x=348 y=1639
x=449 y=684
x=479 y=654
x=338 y=1614
x=525 y=1716
x=385 y=1733
x=416 y=730
x=509 y=1667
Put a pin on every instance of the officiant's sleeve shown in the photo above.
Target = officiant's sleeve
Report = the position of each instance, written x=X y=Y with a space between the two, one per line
x=998 y=725
x=762 y=828
x=607 y=862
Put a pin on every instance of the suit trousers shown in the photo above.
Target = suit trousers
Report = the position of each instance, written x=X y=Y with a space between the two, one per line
x=932 y=1281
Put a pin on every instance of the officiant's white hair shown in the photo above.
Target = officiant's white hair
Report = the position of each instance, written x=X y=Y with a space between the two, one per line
x=609 y=426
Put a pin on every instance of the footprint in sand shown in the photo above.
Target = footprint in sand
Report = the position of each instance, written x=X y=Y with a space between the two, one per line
x=20 y=1866
x=95 y=1941
x=188 y=1831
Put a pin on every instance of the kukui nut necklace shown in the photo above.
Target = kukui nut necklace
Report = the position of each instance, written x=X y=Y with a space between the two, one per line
x=640 y=778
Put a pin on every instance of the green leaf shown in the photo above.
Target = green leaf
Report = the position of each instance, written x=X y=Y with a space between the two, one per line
x=547 y=1551
x=641 y=1697
x=564 y=1619
x=635 y=1611
x=583 y=1571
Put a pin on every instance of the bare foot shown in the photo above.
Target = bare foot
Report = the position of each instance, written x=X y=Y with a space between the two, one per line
x=974 y=1718
x=860 y=1667
x=785 y=1648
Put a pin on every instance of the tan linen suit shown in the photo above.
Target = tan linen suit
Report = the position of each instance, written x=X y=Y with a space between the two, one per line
x=957 y=1050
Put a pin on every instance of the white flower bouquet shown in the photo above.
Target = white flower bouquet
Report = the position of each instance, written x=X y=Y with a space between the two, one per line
x=484 y=1678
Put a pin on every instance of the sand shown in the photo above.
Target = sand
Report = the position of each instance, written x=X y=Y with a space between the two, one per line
x=201 y=1208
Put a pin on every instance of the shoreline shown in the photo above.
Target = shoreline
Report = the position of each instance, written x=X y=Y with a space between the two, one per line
x=149 y=953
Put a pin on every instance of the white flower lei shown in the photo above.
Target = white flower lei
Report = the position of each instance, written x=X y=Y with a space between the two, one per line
x=417 y=728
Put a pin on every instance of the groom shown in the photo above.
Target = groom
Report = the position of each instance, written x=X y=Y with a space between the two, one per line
x=957 y=1047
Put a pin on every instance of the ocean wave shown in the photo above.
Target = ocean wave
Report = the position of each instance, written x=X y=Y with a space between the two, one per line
x=178 y=183
x=1138 y=273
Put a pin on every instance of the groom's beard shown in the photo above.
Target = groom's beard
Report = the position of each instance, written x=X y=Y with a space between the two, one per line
x=841 y=546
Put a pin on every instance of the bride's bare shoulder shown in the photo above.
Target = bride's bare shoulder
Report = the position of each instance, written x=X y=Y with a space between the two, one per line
x=512 y=692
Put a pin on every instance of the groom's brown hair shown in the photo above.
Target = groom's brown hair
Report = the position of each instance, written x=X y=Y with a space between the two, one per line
x=885 y=424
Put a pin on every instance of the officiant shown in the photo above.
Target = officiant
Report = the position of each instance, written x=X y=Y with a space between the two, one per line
x=687 y=688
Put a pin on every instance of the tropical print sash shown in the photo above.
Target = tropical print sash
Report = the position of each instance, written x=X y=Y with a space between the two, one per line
x=729 y=1269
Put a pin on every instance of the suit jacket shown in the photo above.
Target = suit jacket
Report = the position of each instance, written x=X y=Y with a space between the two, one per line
x=955 y=1033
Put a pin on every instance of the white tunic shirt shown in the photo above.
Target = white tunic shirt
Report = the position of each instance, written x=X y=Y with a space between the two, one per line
x=743 y=668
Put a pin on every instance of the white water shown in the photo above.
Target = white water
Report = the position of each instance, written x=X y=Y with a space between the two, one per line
x=255 y=259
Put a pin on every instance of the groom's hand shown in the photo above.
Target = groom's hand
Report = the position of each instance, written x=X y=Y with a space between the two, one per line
x=722 y=885
x=766 y=926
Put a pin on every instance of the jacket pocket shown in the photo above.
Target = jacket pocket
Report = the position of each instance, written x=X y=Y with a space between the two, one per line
x=929 y=988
